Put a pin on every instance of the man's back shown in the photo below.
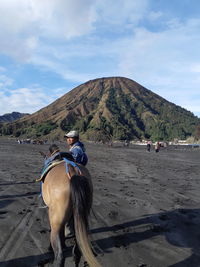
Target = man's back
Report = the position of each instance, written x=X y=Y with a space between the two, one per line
x=78 y=153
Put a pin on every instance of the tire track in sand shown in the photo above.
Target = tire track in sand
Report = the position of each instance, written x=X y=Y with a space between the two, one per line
x=14 y=241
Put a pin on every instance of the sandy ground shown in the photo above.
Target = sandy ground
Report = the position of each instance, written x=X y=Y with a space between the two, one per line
x=146 y=206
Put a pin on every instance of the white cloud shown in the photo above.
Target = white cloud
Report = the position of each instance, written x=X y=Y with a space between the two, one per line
x=2 y=69
x=25 y=23
x=46 y=17
x=155 y=15
x=27 y=100
x=61 y=69
x=5 y=81
x=121 y=12
x=195 y=67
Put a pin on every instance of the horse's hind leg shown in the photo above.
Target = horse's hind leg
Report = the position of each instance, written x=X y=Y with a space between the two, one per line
x=55 y=238
x=57 y=248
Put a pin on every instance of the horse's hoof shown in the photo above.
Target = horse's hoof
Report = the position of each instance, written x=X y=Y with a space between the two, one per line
x=50 y=248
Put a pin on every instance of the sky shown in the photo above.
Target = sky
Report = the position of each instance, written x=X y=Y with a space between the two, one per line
x=48 y=47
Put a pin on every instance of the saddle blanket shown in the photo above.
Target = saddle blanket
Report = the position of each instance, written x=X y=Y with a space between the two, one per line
x=46 y=170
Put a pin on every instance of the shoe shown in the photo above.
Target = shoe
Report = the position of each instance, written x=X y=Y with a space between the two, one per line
x=69 y=233
x=43 y=205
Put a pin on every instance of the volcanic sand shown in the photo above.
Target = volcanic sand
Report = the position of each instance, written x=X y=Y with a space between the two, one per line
x=146 y=210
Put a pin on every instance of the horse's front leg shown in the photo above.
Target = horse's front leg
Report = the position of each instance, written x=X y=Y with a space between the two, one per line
x=76 y=254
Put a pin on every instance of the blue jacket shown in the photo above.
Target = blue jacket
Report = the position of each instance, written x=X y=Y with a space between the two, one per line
x=78 y=153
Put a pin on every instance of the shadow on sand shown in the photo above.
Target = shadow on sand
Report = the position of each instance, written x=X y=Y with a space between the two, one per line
x=16 y=183
x=180 y=227
x=18 y=196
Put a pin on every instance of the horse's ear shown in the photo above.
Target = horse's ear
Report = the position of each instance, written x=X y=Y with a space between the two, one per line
x=72 y=170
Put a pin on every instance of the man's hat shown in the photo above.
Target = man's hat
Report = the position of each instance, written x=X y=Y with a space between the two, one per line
x=72 y=134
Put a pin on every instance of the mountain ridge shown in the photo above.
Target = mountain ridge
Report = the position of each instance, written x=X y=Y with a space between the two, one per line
x=9 y=117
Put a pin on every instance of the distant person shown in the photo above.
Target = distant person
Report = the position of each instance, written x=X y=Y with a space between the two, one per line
x=157 y=147
x=76 y=148
x=149 y=146
x=126 y=142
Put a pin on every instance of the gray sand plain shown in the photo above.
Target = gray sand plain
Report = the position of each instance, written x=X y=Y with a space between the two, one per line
x=146 y=210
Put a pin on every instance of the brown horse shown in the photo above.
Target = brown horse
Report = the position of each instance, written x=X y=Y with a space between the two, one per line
x=68 y=196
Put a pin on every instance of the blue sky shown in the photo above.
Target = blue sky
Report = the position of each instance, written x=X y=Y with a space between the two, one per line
x=49 y=47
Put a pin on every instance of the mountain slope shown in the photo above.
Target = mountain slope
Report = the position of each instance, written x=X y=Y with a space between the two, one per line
x=116 y=107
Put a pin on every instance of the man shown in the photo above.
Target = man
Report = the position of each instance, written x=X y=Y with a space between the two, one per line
x=77 y=148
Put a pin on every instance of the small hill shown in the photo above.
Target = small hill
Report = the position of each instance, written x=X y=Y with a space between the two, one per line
x=9 y=117
x=114 y=107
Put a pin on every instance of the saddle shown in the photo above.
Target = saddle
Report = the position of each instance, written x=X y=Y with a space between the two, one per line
x=62 y=157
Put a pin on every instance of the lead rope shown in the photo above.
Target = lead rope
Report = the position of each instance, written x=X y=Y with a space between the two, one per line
x=67 y=162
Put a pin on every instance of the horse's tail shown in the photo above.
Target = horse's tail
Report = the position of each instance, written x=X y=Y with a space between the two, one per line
x=81 y=198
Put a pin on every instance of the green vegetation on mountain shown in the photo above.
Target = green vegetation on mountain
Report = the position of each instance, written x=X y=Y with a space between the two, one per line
x=32 y=130
x=106 y=108
x=197 y=132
